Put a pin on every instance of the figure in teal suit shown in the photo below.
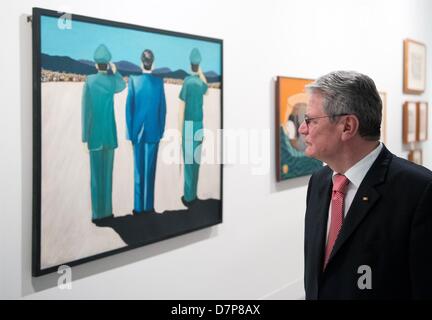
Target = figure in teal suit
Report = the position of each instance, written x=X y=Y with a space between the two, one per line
x=99 y=130
x=145 y=121
x=191 y=125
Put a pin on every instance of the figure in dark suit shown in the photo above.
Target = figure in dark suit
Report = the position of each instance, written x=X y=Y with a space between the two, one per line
x=145 y=121
x=368 y=224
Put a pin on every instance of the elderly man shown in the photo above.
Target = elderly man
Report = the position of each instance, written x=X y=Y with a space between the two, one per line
x=368 y=224
x=99 y=129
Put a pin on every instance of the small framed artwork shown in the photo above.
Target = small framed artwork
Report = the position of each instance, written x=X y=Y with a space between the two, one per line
x=125 y=119
x=414 y=67
x=422 y=121
x=409 y=133
x=383 y=97
x=291 y=101
x=416 y=156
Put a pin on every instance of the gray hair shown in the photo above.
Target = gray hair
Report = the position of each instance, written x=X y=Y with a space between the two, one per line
x=350 y=92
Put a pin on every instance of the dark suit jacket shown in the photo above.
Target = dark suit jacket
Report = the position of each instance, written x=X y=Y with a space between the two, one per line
x=388 y=228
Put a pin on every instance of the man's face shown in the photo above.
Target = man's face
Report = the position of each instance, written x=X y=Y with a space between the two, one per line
x=321 y=136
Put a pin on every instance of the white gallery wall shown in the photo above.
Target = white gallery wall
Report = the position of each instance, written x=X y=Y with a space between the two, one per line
x=257 y=253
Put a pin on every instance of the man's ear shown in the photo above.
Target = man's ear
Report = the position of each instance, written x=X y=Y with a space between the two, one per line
x=351 y=127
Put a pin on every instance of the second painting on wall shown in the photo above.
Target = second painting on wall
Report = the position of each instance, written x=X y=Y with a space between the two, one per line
x=291 y=101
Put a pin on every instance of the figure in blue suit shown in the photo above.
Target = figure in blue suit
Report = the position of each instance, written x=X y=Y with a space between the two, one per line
x=99 y=130
x=145 y=121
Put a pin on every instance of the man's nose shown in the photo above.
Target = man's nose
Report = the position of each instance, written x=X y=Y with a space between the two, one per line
x=303 y=128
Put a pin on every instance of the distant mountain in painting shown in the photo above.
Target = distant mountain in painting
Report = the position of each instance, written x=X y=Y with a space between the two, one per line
x=66 y=64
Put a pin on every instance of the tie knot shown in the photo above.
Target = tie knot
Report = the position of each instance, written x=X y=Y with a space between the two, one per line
x=340 y=182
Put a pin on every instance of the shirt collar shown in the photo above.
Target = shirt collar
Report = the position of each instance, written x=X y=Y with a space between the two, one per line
x=357 y=172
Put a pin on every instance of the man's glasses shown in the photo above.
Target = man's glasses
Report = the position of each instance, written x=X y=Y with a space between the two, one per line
x=307 y=120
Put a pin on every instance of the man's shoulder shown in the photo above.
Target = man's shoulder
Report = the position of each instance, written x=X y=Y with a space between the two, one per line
x=193 y=79
x=135 y=77
x=188 y=79
x=157 y=80
x=145 y=77
x=321 y=173
x=151 y=77
x=407 y=171
x=99 y=79
x=91 y=77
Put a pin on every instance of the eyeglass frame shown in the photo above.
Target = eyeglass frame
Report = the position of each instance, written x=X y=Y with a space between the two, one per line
x=308 y=120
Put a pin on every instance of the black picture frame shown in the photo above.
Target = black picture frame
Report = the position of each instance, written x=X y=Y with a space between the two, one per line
x=156 y=226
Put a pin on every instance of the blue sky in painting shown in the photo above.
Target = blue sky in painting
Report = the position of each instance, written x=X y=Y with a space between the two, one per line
x=81 y=40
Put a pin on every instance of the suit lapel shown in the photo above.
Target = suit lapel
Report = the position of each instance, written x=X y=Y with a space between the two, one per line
x=364 y=200
x=324 y=194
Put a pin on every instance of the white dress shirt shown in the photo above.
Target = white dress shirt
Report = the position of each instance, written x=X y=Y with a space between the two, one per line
x=355 y=175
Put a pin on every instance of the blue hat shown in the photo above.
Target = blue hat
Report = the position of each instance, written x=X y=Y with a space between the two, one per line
x=102 y=54
x=195 y=56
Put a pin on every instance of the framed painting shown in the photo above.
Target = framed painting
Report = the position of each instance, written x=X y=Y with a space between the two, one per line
x=125 y=118
x=414 y=81
x=383 y=97
x=422 y=121
x=416 y=156
x=291 y=101
x=409 y=127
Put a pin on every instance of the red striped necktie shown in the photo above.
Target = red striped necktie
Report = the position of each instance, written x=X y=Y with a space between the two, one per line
x=340 y=183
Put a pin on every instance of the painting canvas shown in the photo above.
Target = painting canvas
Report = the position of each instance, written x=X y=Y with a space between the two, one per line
x=291 y=101
x=409 y=133
x=422 y=121
x=414 y=67
x=127 y=123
